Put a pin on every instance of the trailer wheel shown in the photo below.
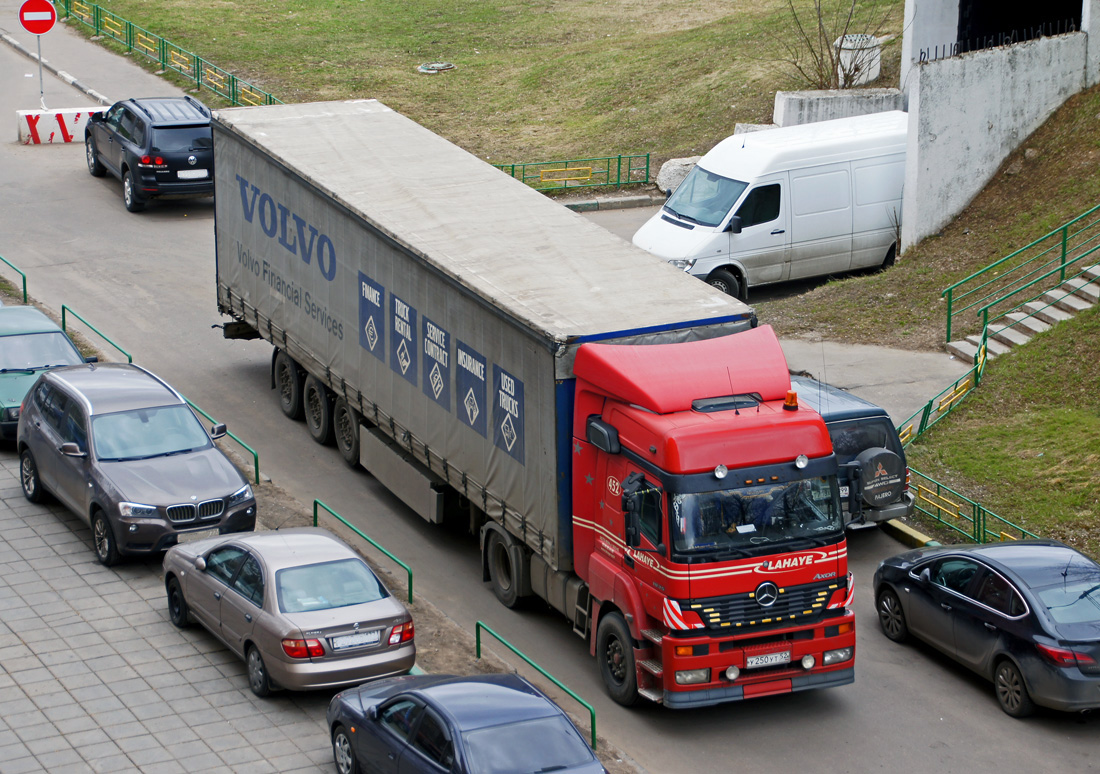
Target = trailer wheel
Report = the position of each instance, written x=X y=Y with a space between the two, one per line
x=317 y=404
x=288 y=380
x=502 y=574
x=726 y=282
x=345 y=428
x=615 y=652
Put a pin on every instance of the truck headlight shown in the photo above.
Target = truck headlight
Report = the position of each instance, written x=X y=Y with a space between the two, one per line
x=692 y=676
x=836 y=656
x=683 y=264
x=137 y=510
x=241 y=495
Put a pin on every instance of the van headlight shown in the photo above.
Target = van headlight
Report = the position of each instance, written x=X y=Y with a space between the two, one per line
x=240 y=496
x=683 y=264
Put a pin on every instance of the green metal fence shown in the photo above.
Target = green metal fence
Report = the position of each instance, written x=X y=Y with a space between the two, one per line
x=245 y=446
x=66 y=311
x=20 y=273
x=581 y=173
x=1025 y=275
x=166 y=54
x=479 y=626
x=960 y=514
x=318 y=504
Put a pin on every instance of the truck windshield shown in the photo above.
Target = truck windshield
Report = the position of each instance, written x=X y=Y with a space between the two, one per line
x=704 y=197
x=749 y=517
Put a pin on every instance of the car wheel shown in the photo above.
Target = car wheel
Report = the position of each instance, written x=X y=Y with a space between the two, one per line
x=1011 y=691
x=258 y=680
x=890 y=616
x=94 y=167
x=726 y=282
x=342 y=754
x=502 y=575
x=178 y=611
x=345 y=428
x=288 y=380
x=130 y=196
x=318 y=410
x=28 y=477
x=106 y=548
x=615 y=652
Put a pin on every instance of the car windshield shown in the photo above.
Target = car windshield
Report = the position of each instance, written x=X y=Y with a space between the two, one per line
x=29 y=351
x=182 y=138
x=744 y=518
x=543 y=744
x=147 y=432
x=704 y=197
x=327 y=585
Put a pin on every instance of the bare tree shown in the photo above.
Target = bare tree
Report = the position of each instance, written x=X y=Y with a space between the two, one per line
x=819 y=27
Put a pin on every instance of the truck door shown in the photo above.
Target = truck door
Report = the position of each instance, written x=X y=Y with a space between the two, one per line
x=763 y=246
x=645 y=561
x=821 y=220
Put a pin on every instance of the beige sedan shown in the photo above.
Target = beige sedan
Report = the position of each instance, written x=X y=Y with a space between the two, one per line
x=299 y=606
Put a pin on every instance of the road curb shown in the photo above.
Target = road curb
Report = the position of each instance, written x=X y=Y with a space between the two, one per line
x=907 y=535
x=101 y=99
x=616 y=202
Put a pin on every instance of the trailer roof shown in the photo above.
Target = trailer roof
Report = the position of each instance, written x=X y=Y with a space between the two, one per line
x=548 y=267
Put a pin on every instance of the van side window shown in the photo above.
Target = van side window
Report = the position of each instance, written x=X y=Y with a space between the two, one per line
x=760 y=206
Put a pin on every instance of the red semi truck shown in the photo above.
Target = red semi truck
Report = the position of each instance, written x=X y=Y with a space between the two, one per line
x=620 y=436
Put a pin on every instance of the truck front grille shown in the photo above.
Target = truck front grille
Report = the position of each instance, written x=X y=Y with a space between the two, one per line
x=794 y=604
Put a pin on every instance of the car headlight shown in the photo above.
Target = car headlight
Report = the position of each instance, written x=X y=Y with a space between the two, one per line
x=137 y=510
x=684 y=264
x=11 y=414
x=240 y=496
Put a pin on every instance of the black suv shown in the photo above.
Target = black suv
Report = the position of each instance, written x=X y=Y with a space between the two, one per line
x=158 y=147
x=874 y=476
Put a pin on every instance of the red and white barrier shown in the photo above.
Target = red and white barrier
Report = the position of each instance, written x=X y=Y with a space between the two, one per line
x=40 y=127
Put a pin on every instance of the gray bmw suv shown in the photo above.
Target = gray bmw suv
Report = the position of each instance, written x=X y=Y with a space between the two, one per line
x=123 y=450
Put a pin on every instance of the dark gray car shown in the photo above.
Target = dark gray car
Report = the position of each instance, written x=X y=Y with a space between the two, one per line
x=123 y=450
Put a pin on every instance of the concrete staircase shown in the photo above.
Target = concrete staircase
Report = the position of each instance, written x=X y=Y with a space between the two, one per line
x=1016 y=328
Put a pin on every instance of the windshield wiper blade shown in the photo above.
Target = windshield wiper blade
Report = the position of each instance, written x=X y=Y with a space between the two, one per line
x=16 y=370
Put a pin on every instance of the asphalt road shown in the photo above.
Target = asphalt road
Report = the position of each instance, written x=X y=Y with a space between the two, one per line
x=147 y=281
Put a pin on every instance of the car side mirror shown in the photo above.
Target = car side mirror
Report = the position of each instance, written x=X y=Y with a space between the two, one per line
x=70 y=449
x=925 y=575
x=91 y=359
x=200 y=564
x=96 y=118
x=372 y=712
x=734 y=226
x=218 y=431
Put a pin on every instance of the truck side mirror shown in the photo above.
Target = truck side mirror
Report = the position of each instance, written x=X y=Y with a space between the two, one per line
x=734 y=226
x=603 y=436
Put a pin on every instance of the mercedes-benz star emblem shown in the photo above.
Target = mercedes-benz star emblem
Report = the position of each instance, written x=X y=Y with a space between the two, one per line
x=766 y=594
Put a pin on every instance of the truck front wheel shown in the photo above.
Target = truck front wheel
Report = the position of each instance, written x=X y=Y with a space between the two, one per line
x=615 y=651
x=317 y=404
x=288 y=380
x=345 y=426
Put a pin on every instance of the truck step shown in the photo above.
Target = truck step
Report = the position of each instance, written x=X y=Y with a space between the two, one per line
x=582 y=615
x=1083 y=288
x=654 y=695
x=1048 y=314
x=653 y=666
x=1027 y=322
x=652 y=635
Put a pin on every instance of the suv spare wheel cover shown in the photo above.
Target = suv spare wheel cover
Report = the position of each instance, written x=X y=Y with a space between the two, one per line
x=883 y=476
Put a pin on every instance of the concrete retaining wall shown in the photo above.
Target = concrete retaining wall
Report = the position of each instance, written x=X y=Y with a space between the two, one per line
x=41 y=127
x=806 y=107
x=967 y=113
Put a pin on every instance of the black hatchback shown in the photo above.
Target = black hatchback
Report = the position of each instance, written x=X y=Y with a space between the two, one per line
x=158 y=147
x=1024 y=614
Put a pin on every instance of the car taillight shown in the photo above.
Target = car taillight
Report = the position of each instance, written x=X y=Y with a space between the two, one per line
x=401 y=633
x=303 y=648
x=1064 y=657
x=150 y=160
x=908 y=478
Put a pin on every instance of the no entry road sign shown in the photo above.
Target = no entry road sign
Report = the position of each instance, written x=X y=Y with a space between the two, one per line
x=37 y=16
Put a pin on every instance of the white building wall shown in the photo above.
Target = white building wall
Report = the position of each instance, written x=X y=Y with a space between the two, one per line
x=968 y=113
x=928 y=23
x=1090 y=24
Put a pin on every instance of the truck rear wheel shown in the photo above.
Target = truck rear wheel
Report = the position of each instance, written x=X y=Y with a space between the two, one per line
x=502 y=574
x=345 y=428
x=317 y=405
x=615 y=652
x=288 y=380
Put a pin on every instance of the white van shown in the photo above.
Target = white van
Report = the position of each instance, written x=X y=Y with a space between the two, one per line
x=787 y=203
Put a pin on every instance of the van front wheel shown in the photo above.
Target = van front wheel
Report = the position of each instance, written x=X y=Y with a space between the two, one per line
x=726 y=282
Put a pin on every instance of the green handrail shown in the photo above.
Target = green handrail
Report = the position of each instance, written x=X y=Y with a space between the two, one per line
x=318 y=504
x=65 y=311
x=939 y=503
x=21 y=274
x=983 y=313
x=581 y=173
x=591 y=712
x=255 y=456
x=946 y=401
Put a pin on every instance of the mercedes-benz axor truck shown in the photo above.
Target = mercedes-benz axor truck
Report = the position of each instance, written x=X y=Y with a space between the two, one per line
x=619 y=435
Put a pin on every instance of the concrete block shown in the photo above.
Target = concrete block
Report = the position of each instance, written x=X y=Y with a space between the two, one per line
x=43 y=127
x=806 y=107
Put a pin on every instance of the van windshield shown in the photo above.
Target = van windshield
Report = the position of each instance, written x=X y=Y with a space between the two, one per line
x=704 y=197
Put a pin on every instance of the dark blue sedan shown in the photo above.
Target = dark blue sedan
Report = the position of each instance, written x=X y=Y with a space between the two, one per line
x=1024 y=614
x=487 y=724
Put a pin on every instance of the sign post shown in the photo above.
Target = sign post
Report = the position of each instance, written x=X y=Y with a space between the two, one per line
x=38 y=18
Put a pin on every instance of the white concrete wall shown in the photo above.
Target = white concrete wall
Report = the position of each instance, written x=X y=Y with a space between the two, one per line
x=967 y=113
x=928 y=23
x=1090 y=24
x=806 y=107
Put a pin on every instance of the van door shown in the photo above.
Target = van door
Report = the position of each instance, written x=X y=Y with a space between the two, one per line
x=763 y=246
x=821 y=220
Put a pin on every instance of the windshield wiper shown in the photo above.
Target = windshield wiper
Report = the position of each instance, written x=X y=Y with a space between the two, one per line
x=16 y=370
x=682 y=216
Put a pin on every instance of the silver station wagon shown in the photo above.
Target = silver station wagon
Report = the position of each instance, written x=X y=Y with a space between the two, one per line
x=298 y=605
x=123 y=450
